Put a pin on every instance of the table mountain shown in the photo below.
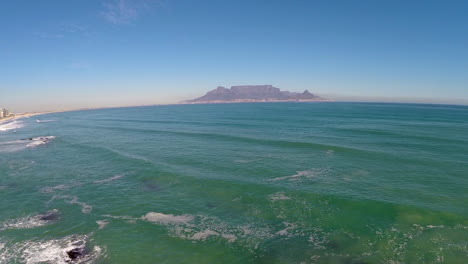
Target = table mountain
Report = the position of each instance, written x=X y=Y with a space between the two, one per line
x=252 y=93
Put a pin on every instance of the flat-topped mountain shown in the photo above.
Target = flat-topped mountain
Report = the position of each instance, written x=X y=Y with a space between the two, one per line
x=253 y=93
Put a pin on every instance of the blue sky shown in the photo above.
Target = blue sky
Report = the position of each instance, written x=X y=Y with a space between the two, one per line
x=67 y=54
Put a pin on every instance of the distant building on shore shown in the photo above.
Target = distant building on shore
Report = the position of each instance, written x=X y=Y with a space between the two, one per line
x=4 y=113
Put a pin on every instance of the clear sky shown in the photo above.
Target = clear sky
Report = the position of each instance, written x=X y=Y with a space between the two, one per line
x=66 y=54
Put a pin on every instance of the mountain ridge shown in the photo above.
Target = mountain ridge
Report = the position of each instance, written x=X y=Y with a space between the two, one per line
x=253 y=93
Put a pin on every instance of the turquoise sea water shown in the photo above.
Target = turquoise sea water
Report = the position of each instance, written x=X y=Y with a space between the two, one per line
x=237 y=183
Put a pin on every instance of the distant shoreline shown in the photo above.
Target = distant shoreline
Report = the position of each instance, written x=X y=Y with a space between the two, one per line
x=27 y=115
x=258 y=101
x=24 y=115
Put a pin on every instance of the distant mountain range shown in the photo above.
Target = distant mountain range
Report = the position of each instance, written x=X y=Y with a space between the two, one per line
x=253 y=93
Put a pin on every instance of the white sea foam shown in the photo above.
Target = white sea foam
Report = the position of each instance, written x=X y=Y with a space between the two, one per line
x=130 y=155
x=60 y=187
x=113 y=178
x=49 y=189
x=278 y=197
x=127 y=218
x=12 y=146
x=305 y=174
x=17 y=145
x=204 y=235
x=50 y=251
x=11 y=125
x=45 y=120
x=286 y=231
x=167 y=219
x=102 y=223
x=31 y=221
x=200 y=227
x=37 y=141
x=229 y=237
x=85 y=208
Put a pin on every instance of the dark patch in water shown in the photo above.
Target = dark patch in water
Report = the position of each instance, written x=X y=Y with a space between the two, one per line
x=333 y=244
x=341 y=260
x=211 y=205
x=12 y=185
x=152 y=186
x=76 y=253
x=281 y=250
x=50 y=216
x=358 y=261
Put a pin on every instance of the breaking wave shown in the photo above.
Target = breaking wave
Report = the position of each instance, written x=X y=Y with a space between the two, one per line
x=32 y=221
x=11 y=125
x=37 y=141
x=17 y=145
x=70 y=249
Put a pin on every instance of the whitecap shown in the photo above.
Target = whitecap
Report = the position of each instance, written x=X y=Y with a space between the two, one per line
x=17 y=145
x=37 y=141
x=102 y=223
x=32 y=221
x=45 y=120
x=229 y=237
x=204 y=235
x=167 y=219
x=278 y=197
x=286 y=231
x=57 y=251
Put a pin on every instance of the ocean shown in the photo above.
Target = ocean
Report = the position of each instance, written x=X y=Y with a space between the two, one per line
x=265 y=183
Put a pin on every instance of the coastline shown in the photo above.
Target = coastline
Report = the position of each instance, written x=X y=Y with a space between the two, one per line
x=257 y=101
x=24 y=115
x=27 y=115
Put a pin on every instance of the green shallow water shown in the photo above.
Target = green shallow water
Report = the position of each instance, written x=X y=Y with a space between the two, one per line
x=238 y=183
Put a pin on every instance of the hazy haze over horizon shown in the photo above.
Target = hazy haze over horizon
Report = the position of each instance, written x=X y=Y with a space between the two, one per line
x=81 y=54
